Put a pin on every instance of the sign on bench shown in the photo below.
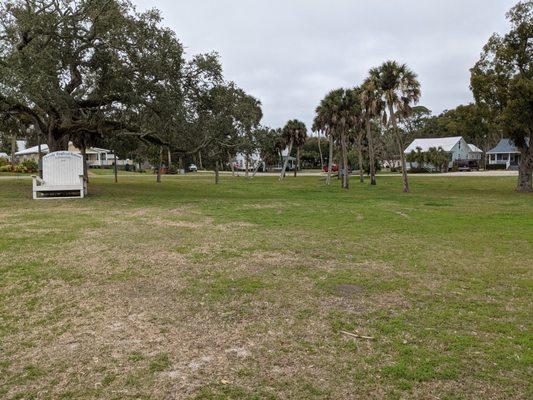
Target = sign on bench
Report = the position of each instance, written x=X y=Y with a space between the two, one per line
x=62 y=177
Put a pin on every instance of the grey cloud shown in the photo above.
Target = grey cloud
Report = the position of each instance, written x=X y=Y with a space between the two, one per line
x=290 y=53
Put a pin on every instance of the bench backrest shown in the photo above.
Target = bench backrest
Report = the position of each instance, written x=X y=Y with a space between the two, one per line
x=62 y=168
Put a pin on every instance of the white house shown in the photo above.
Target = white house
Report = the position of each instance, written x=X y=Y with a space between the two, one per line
x=96 y=156
x=475 y=152
x=505 y=153
x=4 y=155
x=456 y=146
x=31 y=153
x=240 y=161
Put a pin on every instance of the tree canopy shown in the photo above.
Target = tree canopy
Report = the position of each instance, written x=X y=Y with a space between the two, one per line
x=502 y=83
x=88 y=70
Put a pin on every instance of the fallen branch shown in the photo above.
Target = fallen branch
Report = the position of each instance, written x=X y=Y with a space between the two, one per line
x=354 y=335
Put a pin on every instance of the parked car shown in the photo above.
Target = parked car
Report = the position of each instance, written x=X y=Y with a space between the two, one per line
x=334 y=168
x=193 y=168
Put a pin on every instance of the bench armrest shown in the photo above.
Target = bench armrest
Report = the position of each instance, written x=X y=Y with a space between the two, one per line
x=37 y=180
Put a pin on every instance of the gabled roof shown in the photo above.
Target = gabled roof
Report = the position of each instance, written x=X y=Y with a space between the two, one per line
x=505 y=146
x=33 y=150
x=446 y=143
x=474 y=148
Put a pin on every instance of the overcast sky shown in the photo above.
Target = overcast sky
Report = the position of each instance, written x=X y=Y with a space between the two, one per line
x=290 y=53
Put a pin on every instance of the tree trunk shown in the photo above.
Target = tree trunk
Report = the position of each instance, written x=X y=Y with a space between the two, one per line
x=158 y=179
x=256 y=168
x=83 y=152
x=344 y=161
x=232 y=166
x=40 y=158
x=200 y=164
x=13 y=148
x=246 y=165
x=169 y=156
x=525 y=171
x=400 y=147
x=217 y=175
x=320 y=151
x=371 y=161
x=286 y=162
x=330 y=159
x=115 y=167
x=55 y=141
x=360 y=157
x=297 y=161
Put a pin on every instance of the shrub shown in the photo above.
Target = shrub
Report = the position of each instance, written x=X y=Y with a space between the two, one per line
x=495 y=166
x=29 y=166
x=6 y=168
x=3 y=161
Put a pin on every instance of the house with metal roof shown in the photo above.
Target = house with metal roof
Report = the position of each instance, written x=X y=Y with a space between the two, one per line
x=96 y=157
x=475 y=152
x=31 y=153
x=505 y=153
x=456 y=146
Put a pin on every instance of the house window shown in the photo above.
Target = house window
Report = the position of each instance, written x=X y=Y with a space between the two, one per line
x=103 y=156
x=493 y=157
x=503 y=157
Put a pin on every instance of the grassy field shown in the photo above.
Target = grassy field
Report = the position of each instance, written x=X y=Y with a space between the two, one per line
x=242 y=290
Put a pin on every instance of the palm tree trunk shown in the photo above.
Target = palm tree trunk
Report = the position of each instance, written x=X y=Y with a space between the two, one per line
x=330 y=159
x=400 y=147
x=371 y=152
x=217 y=175
x=344 y=161
x=360 y=157
x=282 y=175
x=320 y=151
x=158 y=178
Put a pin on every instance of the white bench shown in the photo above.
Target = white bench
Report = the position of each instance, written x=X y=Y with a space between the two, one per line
x=62 y=177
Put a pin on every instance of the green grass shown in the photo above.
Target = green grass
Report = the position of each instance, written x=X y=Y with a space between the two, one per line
x=242 y=290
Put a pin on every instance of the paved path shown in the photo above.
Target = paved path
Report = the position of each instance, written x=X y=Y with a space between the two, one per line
x=308 y=173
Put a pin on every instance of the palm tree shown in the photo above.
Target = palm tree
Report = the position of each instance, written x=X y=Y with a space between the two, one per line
x=339 y=111
x=294 y=132
x=373 y=106
x=359 y=135
x=300 y=137
x=322 y=122
x=399 y=88
x=318 y=127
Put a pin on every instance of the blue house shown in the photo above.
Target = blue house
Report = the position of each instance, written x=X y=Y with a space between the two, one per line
x=505 y=153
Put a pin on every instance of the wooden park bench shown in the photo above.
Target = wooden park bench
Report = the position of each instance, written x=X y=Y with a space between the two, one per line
x=62 y=177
